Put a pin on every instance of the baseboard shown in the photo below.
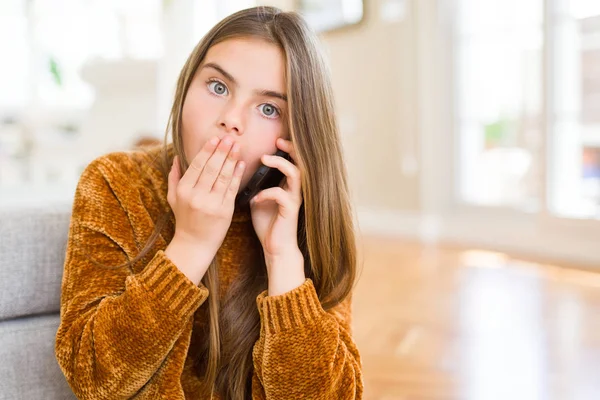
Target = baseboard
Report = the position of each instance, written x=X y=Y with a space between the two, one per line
x=521 y=236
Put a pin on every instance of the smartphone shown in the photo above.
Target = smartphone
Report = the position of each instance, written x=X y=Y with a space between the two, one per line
x=264 y=178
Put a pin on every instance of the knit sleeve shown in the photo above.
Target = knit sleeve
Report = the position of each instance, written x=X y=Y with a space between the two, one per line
x=118 y=328
x=304 y=351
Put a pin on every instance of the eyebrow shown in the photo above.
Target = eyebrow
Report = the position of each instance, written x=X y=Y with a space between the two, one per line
x=264 y=92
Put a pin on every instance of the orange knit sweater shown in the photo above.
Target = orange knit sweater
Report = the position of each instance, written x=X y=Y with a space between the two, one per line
x=131 y=332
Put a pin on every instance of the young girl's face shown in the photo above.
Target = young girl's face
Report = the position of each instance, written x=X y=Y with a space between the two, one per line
x=238 y=90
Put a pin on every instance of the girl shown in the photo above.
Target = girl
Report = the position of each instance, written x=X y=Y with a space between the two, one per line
x=171 y=289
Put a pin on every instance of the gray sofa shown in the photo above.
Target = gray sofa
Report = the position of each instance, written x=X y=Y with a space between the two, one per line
x=32 y=250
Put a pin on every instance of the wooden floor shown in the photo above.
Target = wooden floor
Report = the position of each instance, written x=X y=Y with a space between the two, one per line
x=436 y=323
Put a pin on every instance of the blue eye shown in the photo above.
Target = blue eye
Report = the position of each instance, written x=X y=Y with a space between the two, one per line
x=269 y=110
x=217 y=87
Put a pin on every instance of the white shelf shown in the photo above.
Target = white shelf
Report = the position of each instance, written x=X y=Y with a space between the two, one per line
x=118 y=76
x=40 y=194
x=590 y=136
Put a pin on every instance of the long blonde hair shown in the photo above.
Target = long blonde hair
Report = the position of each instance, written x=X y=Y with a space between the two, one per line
x=326 y=233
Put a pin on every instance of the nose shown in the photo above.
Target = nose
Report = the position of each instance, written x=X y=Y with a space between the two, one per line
x=232 y=119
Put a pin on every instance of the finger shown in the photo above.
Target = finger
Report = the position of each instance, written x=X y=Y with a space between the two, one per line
x=287 y=206
x=174 y=177
x=226 y=174
x=288 y=147
x=213 y=166
x=234 y=186
x=191 y=175
x=291 y=172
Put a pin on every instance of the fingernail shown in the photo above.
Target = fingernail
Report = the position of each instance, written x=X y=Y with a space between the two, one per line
x=228 y=141
x=214 y=140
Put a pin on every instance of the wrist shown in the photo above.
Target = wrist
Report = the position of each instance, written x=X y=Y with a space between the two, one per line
x=285 y=257
x=190 y=258
x=285 y=272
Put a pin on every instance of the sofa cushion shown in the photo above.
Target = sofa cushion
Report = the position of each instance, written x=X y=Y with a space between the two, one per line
x=32 y=252
x=29 y=369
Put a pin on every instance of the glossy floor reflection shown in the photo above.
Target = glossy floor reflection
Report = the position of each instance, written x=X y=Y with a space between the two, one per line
x=444 y=323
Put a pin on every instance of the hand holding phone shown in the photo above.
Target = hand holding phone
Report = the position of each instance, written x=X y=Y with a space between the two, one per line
x=264 y=178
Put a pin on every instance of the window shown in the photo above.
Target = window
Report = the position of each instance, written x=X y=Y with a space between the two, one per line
x=513 y=151
x=14 y=83
x=52 y=39
x=574 y=162
x=499 y=105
